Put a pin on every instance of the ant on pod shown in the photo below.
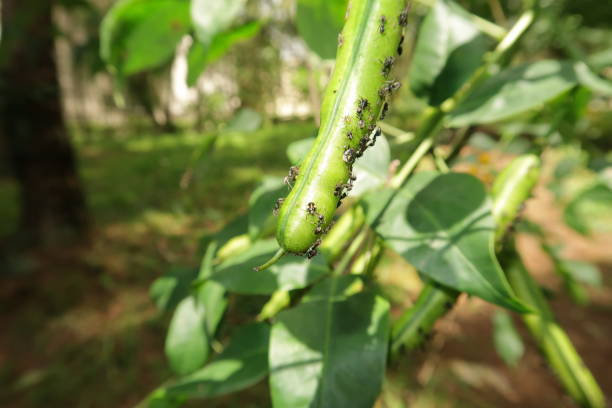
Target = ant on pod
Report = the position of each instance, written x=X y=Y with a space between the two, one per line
x=402 y=19
x=290 y=178
x=349 y=155
x=387 y=64
x=277 y=206
x=384 y=110
x=312 y=251
x=311 y=208
x=381 y=27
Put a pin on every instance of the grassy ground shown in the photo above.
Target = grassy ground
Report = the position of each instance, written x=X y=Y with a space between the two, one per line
x=79 y=328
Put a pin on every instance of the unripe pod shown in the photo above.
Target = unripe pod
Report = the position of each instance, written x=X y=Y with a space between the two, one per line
x=358 y=88
x=512 y=188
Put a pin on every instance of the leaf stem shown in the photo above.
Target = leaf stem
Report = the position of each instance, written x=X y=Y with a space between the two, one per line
x=400 y=135
x=277 y=256
x=491 y=29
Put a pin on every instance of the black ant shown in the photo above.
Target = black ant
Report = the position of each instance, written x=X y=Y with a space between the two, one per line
x=377 y=133
x=387 y=65
x=349 y=155
x=277 y=206
x=338 y=190
x=402 y=19
x=319 y=228
x=362 y=104
x=399 y=46
x=311 y=208
x=383 y=21
x=390 y=87
x=349 y=135
x=312 y=252
x=290 y=178
x=385 y=108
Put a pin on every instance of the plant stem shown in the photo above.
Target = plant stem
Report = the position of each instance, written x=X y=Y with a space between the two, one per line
x=554 y=343
x=440 y=162
x=461 y=139
x=432 y=123
x=277 y=256
x=491 y=29
x=400 y=135
x=415 y=324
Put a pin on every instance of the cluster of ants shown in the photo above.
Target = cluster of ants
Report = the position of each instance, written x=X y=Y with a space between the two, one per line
x=351 y=154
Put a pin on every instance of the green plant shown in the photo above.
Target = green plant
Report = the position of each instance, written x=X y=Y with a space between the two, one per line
x=325 y=334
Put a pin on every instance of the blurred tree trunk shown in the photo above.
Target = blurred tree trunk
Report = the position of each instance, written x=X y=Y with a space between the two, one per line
x=258 y=86
x=53 y=209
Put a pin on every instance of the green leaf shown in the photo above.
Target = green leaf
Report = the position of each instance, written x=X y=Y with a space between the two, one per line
x=210 y=294
x=584 y=272
x=195 y=321
x=514 y=91
x=319 y=22
x=243 y=363
x=201 y=55
x=442 y=224
x=372 y=169
x=508 y=342
x=330 y=352
x=138 y=35
x=296 y=151
x=168 y=290
x=601 y=60
x=246 y=120
x=186 y=343
x=590 y=210
x=261 y=204
x=449 y=49
x=210 y=17
x=591 y=80
x=212 y=297
x=291 y=272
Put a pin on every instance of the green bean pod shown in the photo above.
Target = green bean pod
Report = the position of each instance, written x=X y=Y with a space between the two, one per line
x=358 y=89
x=512 y=188
x=558 y=349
